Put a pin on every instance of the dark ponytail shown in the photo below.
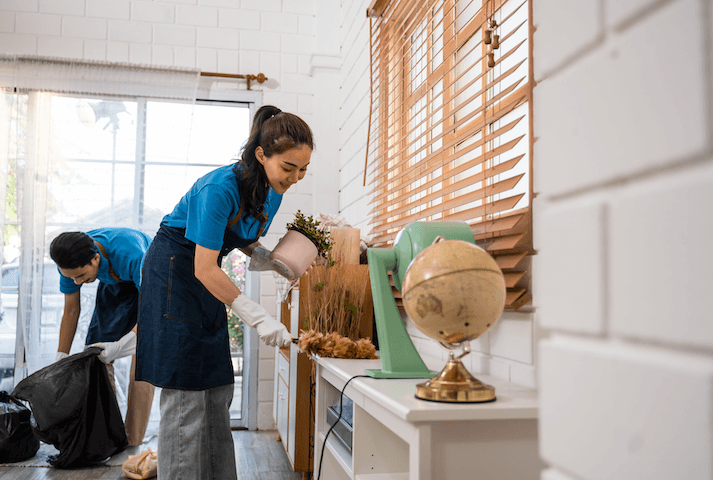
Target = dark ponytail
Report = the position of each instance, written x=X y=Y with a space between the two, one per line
x=73 y=250
x=276 y=132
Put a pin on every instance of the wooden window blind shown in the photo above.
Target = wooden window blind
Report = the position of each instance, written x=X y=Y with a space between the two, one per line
x=450 y=136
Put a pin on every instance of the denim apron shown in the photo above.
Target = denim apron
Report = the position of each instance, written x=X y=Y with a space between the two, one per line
x=115 y=310
x=182 y=336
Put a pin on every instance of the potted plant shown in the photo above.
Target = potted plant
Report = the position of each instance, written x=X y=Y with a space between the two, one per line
x=304 y=242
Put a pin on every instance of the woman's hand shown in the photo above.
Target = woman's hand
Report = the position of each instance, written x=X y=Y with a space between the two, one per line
x=260 y=260
x=252 y=314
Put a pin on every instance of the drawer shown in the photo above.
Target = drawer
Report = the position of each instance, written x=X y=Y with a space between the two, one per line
x=283 y=367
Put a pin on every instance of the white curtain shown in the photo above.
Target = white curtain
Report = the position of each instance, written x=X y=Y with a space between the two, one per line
x=46 y=160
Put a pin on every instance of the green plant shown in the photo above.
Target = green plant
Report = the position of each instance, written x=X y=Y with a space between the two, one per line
x=309 y=227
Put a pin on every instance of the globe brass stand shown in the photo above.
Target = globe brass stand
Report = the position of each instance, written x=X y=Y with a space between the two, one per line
x=455 y=384
x=454 y=291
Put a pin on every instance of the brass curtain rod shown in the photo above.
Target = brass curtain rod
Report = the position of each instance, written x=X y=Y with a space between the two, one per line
x=260 y=78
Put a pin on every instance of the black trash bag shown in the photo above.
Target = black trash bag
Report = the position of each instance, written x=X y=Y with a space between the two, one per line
x=75 y=409
x=17 y=442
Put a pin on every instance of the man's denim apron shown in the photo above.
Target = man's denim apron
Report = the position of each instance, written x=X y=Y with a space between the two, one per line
x=115 y=309
x=183 y=329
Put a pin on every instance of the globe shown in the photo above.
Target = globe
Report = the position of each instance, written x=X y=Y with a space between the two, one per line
x=453 y=291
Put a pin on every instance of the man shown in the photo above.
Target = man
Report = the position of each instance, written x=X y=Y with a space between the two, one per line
x=114 y=256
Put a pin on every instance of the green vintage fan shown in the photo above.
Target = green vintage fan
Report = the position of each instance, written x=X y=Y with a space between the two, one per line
x=399 y=358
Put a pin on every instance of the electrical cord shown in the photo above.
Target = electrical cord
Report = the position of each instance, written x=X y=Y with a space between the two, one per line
x=341 y=400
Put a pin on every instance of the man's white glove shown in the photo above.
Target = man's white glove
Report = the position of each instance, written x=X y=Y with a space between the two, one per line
x=60 y=356
x=123 y=347
x=272 y=332
x=260 y=260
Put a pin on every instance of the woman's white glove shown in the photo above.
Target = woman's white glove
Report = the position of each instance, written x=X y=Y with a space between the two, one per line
x=260 y=259
x=252 y=314
x=123 y=347
x=60 y=356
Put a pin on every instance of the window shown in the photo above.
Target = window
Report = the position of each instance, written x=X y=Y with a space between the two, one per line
x=451 y=124
x=123 y=162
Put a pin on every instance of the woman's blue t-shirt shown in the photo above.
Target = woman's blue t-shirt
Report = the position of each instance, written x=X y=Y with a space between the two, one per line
x=211 y=203
x=125 y=248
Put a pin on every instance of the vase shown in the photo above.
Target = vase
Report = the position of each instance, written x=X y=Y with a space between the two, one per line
x=293 y=255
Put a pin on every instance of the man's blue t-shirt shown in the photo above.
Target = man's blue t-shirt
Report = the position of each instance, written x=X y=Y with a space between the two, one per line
x=211 y=203
x=125 y=248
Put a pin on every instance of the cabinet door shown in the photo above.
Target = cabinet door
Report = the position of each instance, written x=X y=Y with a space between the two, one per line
x=282 y=409
x=283 y=367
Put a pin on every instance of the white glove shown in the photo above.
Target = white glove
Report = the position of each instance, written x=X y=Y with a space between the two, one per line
x=260 y=260
x=272 y=332
x=60 y=356
x=123 y=347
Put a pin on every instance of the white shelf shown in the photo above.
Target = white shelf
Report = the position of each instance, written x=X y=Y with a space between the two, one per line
x=341 y=455
x=397 y=395
x=399 y=437
x=382 y=476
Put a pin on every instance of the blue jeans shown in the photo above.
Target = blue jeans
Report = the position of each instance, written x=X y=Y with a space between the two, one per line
x=194 y=437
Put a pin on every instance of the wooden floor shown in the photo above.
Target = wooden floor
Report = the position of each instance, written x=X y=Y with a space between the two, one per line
x=259 y=456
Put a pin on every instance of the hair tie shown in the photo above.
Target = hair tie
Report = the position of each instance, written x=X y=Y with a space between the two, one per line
x=275 y=113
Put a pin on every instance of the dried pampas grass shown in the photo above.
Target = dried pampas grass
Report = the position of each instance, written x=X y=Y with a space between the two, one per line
x=335 y=300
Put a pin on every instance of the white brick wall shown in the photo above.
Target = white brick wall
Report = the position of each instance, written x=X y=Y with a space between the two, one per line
x=616 y=411
x=572 y=234
x=274 y=37
x=152 y=12
x=579 y=28
x=632 y=104
x=38 y=24
x=109 y=9
x=7 y=22
x=21 y=5
x=354 y=112
x=669 y=213
x=624 y=177
x=63 y=7
x=82 y=27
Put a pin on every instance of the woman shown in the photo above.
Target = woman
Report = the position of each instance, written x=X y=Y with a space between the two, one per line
x=114 y=257
x=183 y=333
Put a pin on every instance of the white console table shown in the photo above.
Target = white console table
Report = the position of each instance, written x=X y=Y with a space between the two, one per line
x=399 y=437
